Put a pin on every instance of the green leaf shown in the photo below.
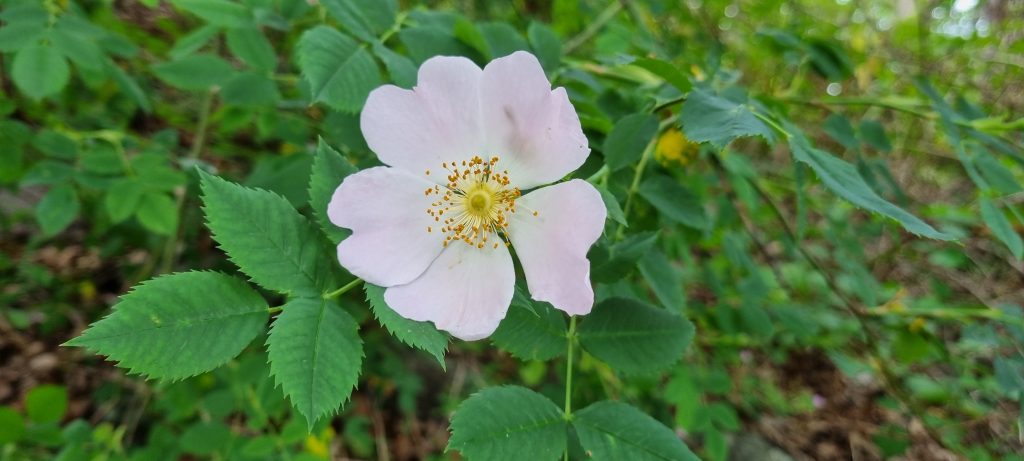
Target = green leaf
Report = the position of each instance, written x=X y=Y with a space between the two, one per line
x=365 y=19
x=17 y=35
x=674 y=201
x=193 y=41
x=158 y=212
x=840 y=129
x=178 y=325
x=612 y=205
x=531 y=330
x=421 y=335
x=843 y=179
x=40 y=71
x=57 y=209
x=196 y=72
x=872 y=132
x=424 y=42
x=315 y=355
x=329 y=169
x=80 y=49
x=217 y=12
x=49 y=172
x=251 y=46
x=249 y=89
x=623 y=257
x=269 y=241
x=508 y=423
x=400 y=68
x=123 y=198
x=628 y=138
x=664 y=280
x=55 y=144
x=1001 y=227
x=709 y=118
x=129 y=86
x=546 y=45
x=46 y=404
x=502 y=39
x=12 y=426
x=666 y=71
x=633 y=337
x=340 y=72
x=205 y=438
x=616 y=431
x=102 y=159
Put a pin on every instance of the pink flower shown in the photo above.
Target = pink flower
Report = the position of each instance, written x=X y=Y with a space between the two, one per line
x=464 y=148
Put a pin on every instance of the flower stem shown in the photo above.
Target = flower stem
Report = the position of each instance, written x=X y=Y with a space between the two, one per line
x=344 y=289
x=570 y=340
x=635 y=185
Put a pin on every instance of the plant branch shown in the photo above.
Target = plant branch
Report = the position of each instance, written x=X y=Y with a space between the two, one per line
x=340 y=291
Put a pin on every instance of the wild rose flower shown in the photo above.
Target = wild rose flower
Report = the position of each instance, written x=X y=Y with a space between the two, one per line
x=467 y=150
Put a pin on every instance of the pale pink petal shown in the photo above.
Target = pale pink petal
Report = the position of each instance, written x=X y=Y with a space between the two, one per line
x=534 y=130
x=386 y=210
x=437 y=121
x=466 y=291
x=552 y=246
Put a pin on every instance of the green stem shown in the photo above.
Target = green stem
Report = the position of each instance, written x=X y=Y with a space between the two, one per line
x=570 y=340
x=635 y=185
x=602 y=19
x=275 y=309
x=340 y=291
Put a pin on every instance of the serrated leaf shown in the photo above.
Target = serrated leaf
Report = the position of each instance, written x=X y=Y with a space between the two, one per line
x=664 y=280
x=315 y=355
x=58 y=208
x=339 y=71
x=195 y=72
x=251 y=46
x=329 y=169
x=178 y=325
x=840 y=129
x=249 y=89
x=843 y=179
x=531 y=330
x=217 y=12
x=613 y=431
x=666 y=71
x=1001 y=227
x=421 y=335
x=709 y=118
x=123 y=198
x=508 y=423
x=268 y=239
x=633 y=337
x=40 y=71
x=628 y=138
x=674 y=201
x=365 y=19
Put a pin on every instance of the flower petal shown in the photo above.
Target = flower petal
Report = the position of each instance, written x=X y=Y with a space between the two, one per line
x=386 y=210
x=436 y=121
x=534 y=130
x=466 y=291
x=552 y=246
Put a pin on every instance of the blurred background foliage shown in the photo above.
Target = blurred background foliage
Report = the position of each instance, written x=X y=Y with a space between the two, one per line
x=824 y=331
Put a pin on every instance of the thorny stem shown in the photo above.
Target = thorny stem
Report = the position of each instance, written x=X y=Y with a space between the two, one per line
x=570 y=340
x=340 y=291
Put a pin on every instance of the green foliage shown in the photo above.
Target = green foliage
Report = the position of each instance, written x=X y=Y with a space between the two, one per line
x=58 y=208
x=315 y=355
x=715 y=119
x=339 y=71
x=673 y=200
x=508 y=423
x=421 y=335
x=365 y=19
x=196 y=72
x=178 y=325
x=628 y=138
x=633 y=337
x=532 y=330
x=273 y=244
x=1001 y=227
x=39 y=71
x=614 y=430
x=329 y=169
x=46 y=404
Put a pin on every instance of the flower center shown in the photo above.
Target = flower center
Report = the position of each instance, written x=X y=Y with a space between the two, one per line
x=475 y=202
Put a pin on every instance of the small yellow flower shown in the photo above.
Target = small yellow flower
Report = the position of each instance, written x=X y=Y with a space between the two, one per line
x=674 y=147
